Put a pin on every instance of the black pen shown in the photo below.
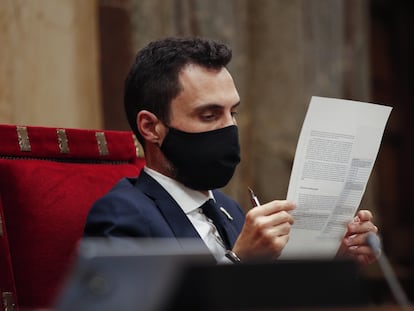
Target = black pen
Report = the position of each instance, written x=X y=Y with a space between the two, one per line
x=253 y=198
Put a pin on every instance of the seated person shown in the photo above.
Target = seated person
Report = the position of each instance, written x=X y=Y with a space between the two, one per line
x=181 y=103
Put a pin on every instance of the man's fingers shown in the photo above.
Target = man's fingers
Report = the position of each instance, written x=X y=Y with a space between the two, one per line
x=356 y=239
x=281 y=218
x=274 y=207
x=361 y=227
x=364 y=215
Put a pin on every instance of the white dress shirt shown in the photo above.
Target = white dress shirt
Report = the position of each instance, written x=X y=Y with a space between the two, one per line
x=190 y=201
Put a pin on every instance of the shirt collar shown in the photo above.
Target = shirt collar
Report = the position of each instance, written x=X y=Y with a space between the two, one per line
x=188 y=199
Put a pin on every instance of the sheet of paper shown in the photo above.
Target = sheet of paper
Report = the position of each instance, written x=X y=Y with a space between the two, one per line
x=336 y=151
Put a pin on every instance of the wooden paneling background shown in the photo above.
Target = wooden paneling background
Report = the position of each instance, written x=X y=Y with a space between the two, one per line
x=63 y=63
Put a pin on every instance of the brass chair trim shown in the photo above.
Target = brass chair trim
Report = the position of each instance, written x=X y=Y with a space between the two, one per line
x=23 y=138
x=63 y=141
x=102 y=144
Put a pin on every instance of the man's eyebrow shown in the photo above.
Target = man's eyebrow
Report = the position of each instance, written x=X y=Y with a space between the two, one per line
x=236 y=104
x=214 y=106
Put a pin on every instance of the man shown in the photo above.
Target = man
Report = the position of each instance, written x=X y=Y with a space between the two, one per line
x=181 y=103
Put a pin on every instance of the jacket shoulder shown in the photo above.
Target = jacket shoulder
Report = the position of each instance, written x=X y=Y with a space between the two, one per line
x=124 y=210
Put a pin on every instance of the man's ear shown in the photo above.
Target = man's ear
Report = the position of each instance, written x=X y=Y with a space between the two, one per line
x=150 y=127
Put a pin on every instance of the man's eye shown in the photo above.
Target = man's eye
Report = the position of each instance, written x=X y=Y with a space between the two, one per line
x=209 y=116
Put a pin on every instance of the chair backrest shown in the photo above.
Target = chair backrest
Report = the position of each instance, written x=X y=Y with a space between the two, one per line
x=49 y=178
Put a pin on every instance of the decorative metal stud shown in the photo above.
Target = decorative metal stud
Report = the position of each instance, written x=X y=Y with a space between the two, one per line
x=62 y=141
x=8 y=301
x=102 y=144
x=23 y=138
x=138 y=148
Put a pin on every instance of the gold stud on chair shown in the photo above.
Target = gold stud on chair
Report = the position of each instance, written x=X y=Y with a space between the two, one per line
x=102 y=144
x=23 y=138
x=62 y=141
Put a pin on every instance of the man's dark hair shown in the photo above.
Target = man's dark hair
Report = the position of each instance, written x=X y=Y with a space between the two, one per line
x=153 y=83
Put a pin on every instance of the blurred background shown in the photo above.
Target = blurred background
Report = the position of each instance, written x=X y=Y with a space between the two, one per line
x=63 y=64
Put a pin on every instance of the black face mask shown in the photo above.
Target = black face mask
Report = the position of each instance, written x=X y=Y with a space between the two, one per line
x=205 y=160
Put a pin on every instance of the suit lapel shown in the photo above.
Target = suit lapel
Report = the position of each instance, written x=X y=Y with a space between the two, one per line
x=172 y=212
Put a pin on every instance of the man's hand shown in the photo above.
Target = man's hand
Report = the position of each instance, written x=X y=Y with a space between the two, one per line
x=265 y=231
x=354 y=244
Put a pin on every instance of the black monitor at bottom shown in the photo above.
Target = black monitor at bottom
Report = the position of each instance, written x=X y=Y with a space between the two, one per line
x=154 y=276
x=280 y=285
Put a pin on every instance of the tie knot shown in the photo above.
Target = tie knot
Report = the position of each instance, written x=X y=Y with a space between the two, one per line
x=209 y=209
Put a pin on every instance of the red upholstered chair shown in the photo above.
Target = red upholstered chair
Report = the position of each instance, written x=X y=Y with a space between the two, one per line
x=49 y=178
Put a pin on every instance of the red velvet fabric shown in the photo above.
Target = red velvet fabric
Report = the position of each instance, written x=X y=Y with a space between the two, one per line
x=82 y=144
x=7 y=284
x=45 y=198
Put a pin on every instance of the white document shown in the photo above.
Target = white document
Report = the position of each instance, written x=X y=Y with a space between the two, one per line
x=336 y=151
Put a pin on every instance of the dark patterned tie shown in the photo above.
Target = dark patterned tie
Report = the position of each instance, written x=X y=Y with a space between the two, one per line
x=211 y=210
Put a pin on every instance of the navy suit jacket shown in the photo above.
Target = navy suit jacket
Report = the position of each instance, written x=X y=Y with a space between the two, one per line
x=140 y=207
